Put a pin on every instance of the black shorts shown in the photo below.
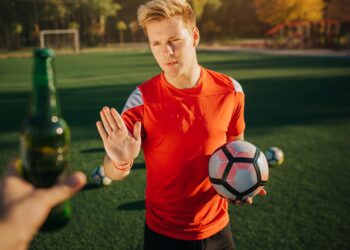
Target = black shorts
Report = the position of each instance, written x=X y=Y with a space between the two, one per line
x=220 y=241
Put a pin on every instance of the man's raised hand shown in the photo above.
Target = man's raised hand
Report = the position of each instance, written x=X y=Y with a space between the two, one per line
x=119 y=144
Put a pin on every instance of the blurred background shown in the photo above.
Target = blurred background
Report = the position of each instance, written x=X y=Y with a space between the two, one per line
x=74 y=24
x=297 y=98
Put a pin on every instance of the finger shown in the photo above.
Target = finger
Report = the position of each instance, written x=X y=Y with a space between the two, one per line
x=263 y=192
x=236 y=202
x=64 y=190
x=137 y=131
x=101 y=131
x=119 y=120
x=105 y=122
x=248 y=201
x=110 y=119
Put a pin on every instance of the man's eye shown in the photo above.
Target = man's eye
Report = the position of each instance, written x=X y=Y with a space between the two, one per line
x=155 y=44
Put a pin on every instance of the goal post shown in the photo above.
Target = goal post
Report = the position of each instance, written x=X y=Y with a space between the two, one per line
x=60 y=39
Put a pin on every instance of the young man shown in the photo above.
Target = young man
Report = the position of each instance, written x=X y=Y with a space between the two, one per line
x=179 y=117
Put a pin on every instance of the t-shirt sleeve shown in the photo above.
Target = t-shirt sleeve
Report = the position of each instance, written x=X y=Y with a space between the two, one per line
x=133 y=111
x=237 y=123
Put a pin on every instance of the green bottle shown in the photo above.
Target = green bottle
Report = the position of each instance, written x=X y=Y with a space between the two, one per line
x=45 y=137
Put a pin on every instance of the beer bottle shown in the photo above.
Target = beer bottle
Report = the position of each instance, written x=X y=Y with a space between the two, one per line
x=45 y=137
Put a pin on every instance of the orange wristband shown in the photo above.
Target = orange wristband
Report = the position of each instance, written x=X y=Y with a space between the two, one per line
x=123 y=166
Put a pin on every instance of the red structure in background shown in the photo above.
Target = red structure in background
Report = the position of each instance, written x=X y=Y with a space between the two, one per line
x=304 y=34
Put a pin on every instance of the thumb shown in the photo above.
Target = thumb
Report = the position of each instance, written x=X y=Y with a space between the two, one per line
x=66 y=189
x=14 y=168
x=137 y=131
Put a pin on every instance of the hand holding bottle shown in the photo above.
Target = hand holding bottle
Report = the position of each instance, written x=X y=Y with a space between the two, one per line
x=24 y=208
x=45 y=137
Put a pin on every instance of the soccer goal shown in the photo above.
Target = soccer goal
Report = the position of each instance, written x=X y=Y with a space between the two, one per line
x=63 y=39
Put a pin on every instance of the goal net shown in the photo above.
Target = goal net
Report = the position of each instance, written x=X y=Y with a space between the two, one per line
x=62 y=40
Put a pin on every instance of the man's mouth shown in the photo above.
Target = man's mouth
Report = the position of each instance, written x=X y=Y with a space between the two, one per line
x=171 y=63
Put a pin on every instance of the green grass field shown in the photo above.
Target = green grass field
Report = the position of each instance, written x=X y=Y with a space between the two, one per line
x=300 y=104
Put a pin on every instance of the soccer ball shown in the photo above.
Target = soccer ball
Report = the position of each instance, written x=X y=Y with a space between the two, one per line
x=98 y=176
x=238 y=170
x=274 y=156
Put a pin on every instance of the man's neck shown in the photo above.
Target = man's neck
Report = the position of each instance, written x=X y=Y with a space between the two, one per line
x=187 y=80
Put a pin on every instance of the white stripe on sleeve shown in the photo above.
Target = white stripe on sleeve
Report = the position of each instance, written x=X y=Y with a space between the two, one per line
x=236 y=85
x=134 y=100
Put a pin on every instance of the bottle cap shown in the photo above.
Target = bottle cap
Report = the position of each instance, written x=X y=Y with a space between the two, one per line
x=44 y=53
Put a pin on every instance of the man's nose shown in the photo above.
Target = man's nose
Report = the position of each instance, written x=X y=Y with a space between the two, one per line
x=168 y=50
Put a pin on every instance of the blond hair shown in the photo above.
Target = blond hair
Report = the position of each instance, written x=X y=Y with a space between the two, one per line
x=158 y=10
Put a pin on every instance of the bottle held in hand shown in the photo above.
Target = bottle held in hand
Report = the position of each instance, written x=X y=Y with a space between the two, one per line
x=45 y=137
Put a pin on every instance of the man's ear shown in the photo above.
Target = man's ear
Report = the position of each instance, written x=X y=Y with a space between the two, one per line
x=196 y=37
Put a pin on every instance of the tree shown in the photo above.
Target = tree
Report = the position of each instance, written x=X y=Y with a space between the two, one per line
x=134 y=27
x=121 y=27
x=98 y=11
x=237 y=19
x=274 y=12
x=199 y=5
x=338 y=9
x=211 y=30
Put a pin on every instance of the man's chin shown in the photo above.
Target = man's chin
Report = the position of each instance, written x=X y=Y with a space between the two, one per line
x=172 y=73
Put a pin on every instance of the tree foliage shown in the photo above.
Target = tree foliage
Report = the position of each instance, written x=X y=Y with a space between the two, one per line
x=278 y=11
x=121 y=27
x=35 y=15
x=338 y=9
x=199 y=5
x=101 y=7
x=237 y=18
x=22 y=20
x=98 y=11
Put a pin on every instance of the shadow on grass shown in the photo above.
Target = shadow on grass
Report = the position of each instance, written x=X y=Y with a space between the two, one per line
x=137 y=205
x=269 y=102
x=243 y=60
x=90 y=187
x=137 y=166
x=80 y=107
x=92 y=150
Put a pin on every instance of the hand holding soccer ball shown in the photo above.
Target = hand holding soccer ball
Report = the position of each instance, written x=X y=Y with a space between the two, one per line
x=238 y=171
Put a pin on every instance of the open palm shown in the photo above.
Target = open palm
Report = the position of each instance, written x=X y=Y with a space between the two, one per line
x=119 y=144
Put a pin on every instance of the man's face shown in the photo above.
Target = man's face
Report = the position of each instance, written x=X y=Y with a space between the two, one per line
x=173 y=45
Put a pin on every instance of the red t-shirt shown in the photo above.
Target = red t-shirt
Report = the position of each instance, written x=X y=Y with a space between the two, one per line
x=181 y=128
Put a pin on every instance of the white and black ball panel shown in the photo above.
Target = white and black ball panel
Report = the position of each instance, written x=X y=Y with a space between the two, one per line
x=238 y=170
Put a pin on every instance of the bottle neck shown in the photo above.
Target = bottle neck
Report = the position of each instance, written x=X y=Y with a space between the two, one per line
x=44 y=96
